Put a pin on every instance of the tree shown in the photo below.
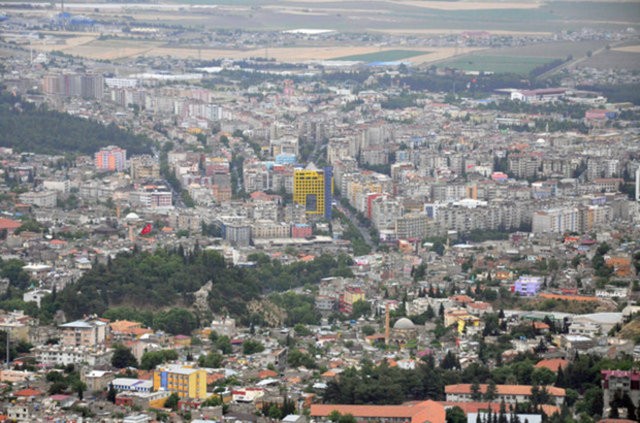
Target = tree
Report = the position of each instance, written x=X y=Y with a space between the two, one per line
x=450 y=361
x=476 y=394
x=455 y=415
x=111 y=394
x=539 y=395
x=58 y=387
x=543 y=376
x=360 y=308
x=212 y=360
x=252 y=347
x=274 y=412
x=123 y=357
x=223 y=343
x=151 y=359
x=347 y=418
x=368 y=330
x=492 y=391
x=80 y=387
x=172 y=401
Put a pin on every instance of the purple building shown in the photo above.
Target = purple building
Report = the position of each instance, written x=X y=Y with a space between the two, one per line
x=527 y=286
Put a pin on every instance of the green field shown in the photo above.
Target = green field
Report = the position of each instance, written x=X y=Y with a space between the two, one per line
x=498 y=64
x=383 y=56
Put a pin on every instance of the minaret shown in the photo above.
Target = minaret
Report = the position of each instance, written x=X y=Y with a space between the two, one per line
x=387 y=329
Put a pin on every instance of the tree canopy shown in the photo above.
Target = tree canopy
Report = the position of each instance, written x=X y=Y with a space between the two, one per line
x=26 y=127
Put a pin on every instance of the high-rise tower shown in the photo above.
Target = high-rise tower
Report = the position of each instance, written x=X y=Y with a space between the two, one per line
x=313 y=189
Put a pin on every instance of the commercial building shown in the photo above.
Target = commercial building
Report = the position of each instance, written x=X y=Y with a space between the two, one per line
x=185 y=381
x=313 y=189
x=111 y=158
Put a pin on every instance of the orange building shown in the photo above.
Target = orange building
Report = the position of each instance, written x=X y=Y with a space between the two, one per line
x=111 y=158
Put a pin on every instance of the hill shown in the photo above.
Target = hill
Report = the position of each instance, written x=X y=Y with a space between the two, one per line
x=28 y=128
x=163 y=279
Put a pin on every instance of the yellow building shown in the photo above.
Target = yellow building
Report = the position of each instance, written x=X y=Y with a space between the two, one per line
x=185 y=381
x=313 y=189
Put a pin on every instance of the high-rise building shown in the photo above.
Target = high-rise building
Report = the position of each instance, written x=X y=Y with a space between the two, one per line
x=313 y=189
x=111 y=158
x=556 y=220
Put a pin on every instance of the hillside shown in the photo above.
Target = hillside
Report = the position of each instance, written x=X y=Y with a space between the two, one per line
x=38 y=130
x=163 y=279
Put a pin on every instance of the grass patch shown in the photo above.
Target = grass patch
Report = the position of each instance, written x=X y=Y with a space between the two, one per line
x=498 y=64
x=383 y=56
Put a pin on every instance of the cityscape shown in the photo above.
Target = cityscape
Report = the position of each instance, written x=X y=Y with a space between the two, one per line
x=395 y=211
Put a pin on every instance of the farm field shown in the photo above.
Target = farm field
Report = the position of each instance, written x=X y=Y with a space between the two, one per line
x=377 y=15
x=383 y=56
x=613 y=59
x=489 y=63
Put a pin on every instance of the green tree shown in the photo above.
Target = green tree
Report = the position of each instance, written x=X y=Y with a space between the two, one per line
x=111 y=394
x=455 y=415
x=492 y=391
x=360 y=308
x=251 y=346
x=223 y=343
x=450 y=361
x=368 y=330
x=123 y=357
x=172 y=401
x=476 y=394
x=177 y=321
x=212 y=360
x=543 y=376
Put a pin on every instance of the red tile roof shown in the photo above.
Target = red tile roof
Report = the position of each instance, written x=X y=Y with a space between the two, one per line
x=553 y=364
x=420 y=412
x=9 y=224
x=28 y=392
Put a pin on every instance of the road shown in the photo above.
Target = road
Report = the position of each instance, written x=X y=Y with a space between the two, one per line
x=363 y=231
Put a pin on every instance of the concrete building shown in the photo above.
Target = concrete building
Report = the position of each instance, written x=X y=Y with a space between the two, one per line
x=54 y=355
x=618 y=383
x=111 y=159
x=556 y=220
x=84 y=333
x=510 y=394
x=47 y=199
x=527 y=286
x=185 y=381
x=412 y=226
x=313 y=189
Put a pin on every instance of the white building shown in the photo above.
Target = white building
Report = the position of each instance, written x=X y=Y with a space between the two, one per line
x=557 y=220
x=54 y=355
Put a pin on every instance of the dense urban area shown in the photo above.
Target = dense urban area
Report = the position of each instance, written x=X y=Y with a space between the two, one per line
x=418 y=232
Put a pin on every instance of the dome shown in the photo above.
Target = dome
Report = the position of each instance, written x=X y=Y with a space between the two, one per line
x=541 y=141
x=404 y=323
x=132 y=216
